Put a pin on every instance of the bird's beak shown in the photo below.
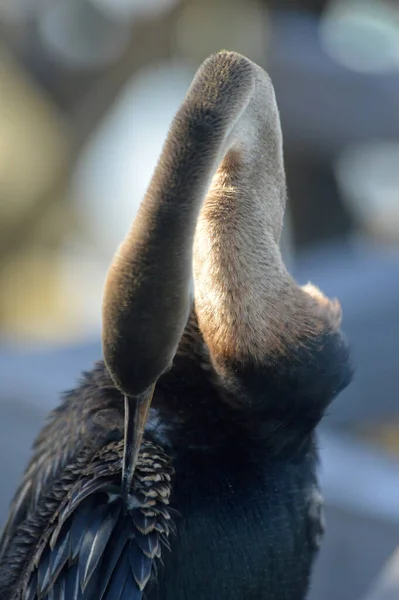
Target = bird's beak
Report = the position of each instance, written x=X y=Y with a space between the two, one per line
x=136 y=413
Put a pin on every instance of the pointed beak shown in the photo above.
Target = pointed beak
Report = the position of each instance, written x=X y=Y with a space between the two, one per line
x=136 y=414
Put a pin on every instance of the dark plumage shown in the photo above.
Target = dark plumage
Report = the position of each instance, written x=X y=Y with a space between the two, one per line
x=222 y=501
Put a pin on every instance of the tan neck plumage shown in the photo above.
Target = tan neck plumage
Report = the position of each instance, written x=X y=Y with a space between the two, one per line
x=214 y=208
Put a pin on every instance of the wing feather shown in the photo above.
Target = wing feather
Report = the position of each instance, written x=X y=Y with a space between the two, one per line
x=94 y=548
x=69 y=427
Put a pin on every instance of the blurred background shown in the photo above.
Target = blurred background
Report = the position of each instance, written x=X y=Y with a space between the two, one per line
x=87 y=92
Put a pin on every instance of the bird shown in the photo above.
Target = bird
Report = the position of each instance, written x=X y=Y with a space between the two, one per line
x=184 y=465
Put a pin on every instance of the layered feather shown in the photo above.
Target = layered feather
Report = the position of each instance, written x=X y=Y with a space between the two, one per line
x=94 y=547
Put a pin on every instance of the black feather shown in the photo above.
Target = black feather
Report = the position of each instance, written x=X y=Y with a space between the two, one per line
x=144 y=524
x=31 y=591
x=131 y=591
x=58 y=558
x=119 y=578
x=43 y=572
x=50 y=595
x=140 y=564
x=79 y=520
x=102 y=523
x=59 y=589
x=81 y=493
x=112 y=555
x=149 y=544
x=72 y=587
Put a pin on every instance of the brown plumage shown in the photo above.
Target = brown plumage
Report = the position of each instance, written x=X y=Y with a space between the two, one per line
x=196 y=434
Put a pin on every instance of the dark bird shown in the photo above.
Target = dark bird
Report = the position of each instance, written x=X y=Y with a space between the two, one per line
x=183 y=467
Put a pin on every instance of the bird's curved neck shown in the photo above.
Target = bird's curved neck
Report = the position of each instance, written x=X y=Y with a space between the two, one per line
x=213 y=213
x=148 y=293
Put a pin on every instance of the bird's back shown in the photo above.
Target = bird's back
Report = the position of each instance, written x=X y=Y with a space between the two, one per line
x=208 y=515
